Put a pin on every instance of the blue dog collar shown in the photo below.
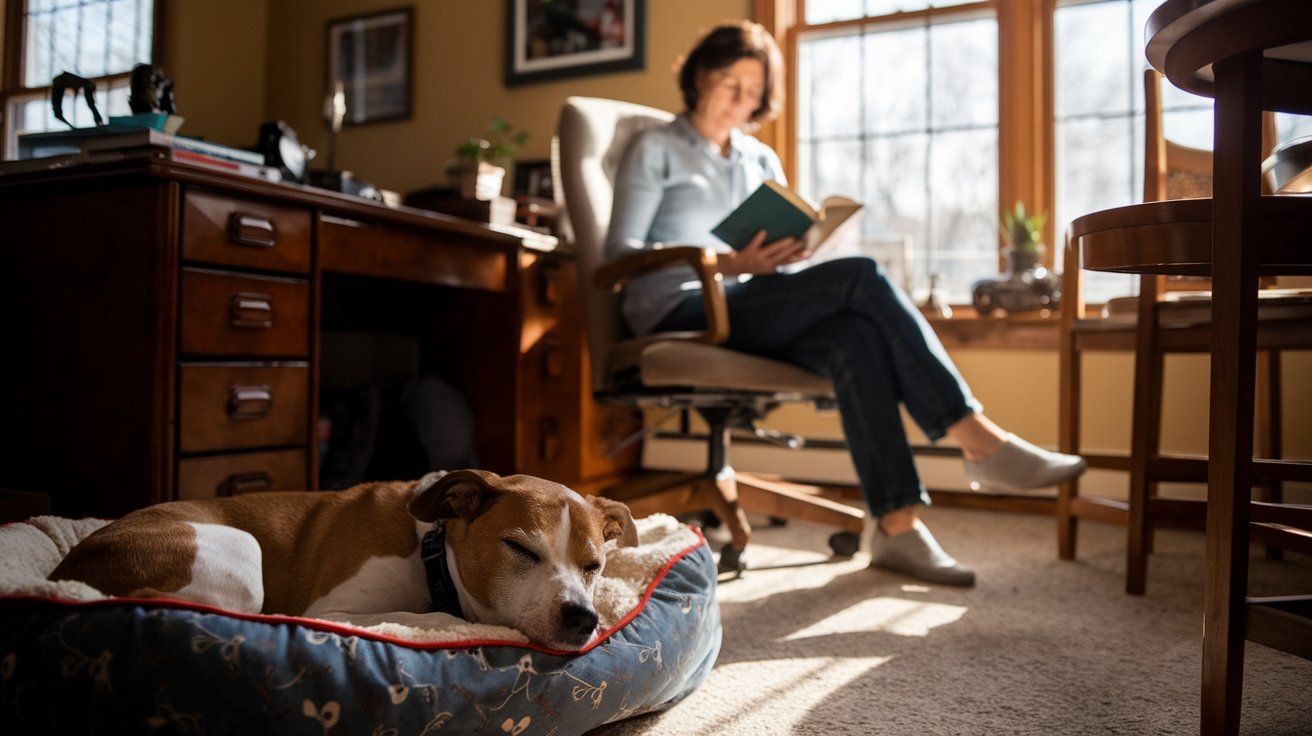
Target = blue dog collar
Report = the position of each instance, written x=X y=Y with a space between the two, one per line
x=441 y=587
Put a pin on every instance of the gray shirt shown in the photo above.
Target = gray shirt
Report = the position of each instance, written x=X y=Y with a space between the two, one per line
x=672 y=187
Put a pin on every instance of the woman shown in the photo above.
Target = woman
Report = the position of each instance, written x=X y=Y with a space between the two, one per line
x=842 y=318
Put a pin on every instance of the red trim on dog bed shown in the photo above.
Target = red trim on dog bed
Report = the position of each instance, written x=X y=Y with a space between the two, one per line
x=348 y=630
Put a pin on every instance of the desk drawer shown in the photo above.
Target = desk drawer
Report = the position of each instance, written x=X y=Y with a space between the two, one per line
x=241 y=232
x=231 y=407
x=249 y=472
x=225 y=314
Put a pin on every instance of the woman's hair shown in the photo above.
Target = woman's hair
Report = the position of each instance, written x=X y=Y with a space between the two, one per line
x=724 y=46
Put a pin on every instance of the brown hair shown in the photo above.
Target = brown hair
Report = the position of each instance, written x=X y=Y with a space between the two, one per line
x=723 y=46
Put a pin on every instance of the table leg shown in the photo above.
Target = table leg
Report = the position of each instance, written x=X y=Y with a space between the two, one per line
x=1236 y=199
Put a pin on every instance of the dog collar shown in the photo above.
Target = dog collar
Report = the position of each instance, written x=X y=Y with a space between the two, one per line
x=441 y=587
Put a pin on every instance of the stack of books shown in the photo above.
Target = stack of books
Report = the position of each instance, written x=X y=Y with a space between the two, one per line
x=86 y=143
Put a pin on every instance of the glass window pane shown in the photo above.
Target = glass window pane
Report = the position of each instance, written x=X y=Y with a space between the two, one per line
x=824 y=11
x=92 y=38
x=895 y=81
x=1289 y=127
x=895 y=181
x=837 y=170
x=1091 y=43
x=965 y=73
x=835 y=72
x=93 y=29
x=963 y=223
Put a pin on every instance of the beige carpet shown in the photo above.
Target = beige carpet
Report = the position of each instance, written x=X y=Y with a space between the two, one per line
x=1040 y=646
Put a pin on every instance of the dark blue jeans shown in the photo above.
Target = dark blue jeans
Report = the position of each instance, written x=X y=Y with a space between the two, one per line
x=846 y=321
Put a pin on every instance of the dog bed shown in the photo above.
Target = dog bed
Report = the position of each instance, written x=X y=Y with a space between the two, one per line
x=75 y=661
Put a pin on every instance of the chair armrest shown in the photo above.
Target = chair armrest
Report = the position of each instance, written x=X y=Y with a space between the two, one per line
x=615 y=274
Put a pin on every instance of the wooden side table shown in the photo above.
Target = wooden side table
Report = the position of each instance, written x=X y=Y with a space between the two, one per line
x=1250 y=55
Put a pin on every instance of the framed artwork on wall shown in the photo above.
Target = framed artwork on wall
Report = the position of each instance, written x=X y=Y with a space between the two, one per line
x=369 y=56
x=555 y=39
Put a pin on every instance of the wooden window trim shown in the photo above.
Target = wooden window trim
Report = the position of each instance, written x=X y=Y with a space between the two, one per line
x=11 y=84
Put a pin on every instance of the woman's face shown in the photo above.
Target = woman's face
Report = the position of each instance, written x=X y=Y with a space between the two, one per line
x=728 y=96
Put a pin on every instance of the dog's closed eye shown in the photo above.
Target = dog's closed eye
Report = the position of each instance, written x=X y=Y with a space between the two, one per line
x=592 y=567
x=522 y=551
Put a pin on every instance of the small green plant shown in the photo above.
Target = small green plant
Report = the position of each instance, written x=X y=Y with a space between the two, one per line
x=1022 y=231
x=499 y=147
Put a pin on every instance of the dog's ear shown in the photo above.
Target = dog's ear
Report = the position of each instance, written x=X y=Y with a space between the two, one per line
x=616 y=521
x=458 y=494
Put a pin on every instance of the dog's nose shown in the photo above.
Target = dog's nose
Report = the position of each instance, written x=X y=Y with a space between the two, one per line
x=578 y=619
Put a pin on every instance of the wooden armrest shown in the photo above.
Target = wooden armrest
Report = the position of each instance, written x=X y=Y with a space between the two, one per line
x=617 y=273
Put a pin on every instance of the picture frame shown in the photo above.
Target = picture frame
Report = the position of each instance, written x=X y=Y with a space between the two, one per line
x=552 y=39
x=371 y=56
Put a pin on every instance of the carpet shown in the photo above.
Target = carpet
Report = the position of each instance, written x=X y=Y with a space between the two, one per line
x=1039 y=646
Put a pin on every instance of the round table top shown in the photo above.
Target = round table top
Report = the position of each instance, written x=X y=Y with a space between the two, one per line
x=1185 y=37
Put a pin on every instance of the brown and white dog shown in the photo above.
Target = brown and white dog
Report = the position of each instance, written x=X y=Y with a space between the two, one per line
x=519 y=551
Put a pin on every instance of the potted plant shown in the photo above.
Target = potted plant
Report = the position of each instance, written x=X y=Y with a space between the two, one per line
x=479 y=166
x=1023 y=234
x=1028 y=285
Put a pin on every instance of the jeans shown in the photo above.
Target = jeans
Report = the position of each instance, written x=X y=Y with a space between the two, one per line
x=845 y=320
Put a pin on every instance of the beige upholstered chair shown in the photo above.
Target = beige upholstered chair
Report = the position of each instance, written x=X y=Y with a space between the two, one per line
x=679 y=370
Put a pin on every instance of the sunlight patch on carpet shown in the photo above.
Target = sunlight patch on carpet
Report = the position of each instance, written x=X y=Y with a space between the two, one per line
x=890 y=615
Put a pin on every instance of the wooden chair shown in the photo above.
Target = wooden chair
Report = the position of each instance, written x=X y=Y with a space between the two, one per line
x=685 y=370
x=1168 y=316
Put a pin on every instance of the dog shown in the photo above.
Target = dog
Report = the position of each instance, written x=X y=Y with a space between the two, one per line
x=517 y=551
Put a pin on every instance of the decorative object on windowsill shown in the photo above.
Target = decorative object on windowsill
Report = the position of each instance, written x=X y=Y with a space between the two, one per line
x=150 y=97
x=478 y=169
x=1028 y=285
x=69 y=81
x=934 y=304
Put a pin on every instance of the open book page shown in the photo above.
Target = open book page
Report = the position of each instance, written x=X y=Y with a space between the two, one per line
x=834 y=211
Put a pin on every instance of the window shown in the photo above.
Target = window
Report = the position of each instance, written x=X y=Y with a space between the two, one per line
x=98 y=39
x=902 y=113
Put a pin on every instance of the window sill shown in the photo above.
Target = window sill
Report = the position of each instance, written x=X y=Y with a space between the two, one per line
x=967 y=329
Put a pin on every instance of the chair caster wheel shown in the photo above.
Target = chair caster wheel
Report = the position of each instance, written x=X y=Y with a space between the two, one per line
x=844 y=544
x=778 y=521
x=731 y=560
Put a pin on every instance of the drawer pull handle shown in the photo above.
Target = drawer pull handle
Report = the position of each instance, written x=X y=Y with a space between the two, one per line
x=249 y=402
x=549 y=445
x=252 y=230
x=553 y=359
x=549 y=285
x=249 y=309
x=249 y=482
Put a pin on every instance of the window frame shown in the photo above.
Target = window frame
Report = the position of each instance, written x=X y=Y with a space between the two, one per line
x=1025 y=93
x=15 y=52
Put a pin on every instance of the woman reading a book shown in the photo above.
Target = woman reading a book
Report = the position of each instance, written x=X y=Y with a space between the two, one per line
x=841 y=318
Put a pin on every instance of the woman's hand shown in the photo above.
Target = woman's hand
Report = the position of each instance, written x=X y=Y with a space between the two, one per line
x=759 y=257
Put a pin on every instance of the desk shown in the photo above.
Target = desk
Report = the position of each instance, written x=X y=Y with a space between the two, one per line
x=165 y=333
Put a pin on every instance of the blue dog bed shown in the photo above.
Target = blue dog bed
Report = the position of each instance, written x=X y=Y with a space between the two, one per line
x=137 y=666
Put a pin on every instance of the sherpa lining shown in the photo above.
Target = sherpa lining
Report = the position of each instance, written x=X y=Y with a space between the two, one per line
x=30 y=551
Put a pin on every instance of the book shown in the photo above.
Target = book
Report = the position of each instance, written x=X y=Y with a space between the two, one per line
x=782 y=213
x=267 y=173
x=110 y=137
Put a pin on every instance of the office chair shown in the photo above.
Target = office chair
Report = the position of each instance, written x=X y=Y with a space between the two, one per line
x=679 y=370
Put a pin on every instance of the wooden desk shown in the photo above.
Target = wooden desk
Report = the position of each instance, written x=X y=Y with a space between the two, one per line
x=165 y=333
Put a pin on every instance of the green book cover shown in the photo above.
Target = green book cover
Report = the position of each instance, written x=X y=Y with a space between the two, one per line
x=771 y=208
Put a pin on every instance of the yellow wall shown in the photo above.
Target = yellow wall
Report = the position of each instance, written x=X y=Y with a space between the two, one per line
x=216 y=54
x=459 y=59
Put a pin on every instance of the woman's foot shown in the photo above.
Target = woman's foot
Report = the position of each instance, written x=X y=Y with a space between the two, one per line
x=915 y=552
x=1019 y=464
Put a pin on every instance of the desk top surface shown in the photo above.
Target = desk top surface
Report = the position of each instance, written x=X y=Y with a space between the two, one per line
x=157 y=165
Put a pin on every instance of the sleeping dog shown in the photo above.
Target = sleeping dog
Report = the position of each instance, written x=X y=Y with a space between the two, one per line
x=516 y=551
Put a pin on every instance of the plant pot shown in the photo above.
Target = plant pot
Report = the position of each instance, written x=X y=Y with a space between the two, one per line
x=478 y=180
